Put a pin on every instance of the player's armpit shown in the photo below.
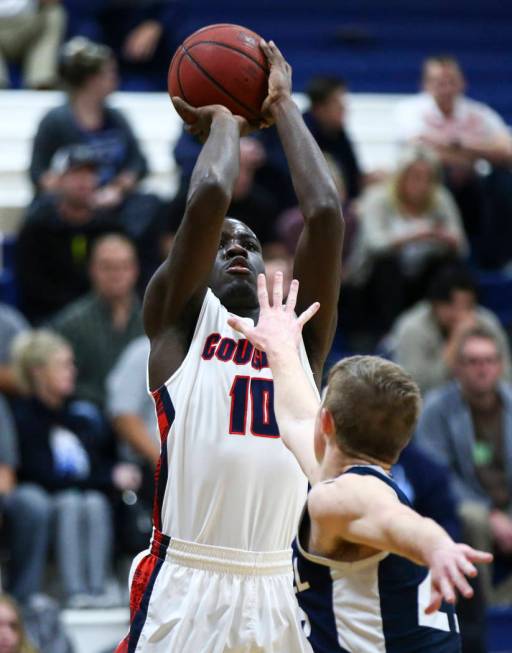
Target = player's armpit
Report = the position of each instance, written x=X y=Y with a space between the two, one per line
x=364 y=510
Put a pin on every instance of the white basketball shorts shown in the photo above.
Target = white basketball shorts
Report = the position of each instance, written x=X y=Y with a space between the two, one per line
x=195 y=598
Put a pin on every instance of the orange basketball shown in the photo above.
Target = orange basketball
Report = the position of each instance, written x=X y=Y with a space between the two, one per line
x=221 y=64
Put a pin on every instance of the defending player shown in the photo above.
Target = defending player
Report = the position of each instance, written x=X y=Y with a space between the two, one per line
x=228 y=495
x=361 y=551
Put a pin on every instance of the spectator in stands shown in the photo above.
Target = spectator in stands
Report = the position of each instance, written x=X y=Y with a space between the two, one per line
x=129 y=405
x=467 y=425
x=407 y=227
x=461 y=130
x=26 y=517
x=326 y=121
x=424 y=338
x=142 y=33
x=251 y=202
x=89 y=73
x=100 y=325
x=65 y=457
x=31 y=33
x=12 y=322
x=12 y=632
x=55 y=239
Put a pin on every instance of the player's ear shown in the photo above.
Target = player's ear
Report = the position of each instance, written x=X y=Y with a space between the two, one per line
x=327 y=422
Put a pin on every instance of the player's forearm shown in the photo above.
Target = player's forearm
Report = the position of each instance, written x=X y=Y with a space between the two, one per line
x=295 y=405
x=310 y=174
x=404 y=532
x=218 y=164
x=295 y=399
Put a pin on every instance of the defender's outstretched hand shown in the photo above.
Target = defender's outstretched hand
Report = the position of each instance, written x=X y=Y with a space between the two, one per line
x=449 y=565
x=278 y=327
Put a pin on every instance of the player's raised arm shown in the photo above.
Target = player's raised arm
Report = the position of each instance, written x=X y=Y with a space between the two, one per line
x=363 y=510
x=175 y=292
x=318 y=256
x=295 y=401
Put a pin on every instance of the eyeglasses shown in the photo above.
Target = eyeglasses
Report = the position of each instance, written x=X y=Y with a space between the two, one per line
x=473 y=361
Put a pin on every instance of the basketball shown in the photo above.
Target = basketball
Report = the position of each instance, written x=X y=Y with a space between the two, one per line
x=221 y=64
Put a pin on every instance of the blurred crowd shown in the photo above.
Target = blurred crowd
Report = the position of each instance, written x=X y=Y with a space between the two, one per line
x=79 y=443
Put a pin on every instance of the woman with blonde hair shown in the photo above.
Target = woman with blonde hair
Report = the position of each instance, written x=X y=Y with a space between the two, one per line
x=64 y=455
x=13 y=638
x=407 y=227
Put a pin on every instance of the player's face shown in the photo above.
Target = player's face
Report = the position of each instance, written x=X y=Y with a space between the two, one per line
x=237 y=265
x=480 y=366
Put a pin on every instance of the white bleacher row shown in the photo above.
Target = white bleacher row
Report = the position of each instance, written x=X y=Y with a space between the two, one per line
x=157 y=126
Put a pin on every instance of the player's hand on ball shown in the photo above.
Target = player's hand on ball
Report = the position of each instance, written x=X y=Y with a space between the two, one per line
x=449 y=565
x=280 y=78
x=199 y=120
x=278 y=327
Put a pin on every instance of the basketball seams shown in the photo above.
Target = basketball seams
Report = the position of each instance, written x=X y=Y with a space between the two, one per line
x=228 y=47
x=178 y=76
x=216 y=83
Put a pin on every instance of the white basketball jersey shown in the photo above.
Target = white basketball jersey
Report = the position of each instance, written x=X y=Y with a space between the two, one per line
x=225 y=477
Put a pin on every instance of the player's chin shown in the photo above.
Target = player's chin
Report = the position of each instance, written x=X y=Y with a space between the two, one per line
x=235 y=277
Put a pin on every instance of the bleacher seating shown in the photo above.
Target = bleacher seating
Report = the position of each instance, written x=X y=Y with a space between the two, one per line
x=157 y=126
x=379 y=46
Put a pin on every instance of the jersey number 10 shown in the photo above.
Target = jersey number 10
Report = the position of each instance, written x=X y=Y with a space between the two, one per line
x=260 y=394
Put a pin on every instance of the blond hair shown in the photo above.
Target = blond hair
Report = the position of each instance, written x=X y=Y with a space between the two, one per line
x=24 y=645
x=375 y=405
x=32 y=349
x=408 y=157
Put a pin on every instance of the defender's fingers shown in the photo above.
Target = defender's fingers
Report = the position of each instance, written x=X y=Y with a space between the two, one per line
x=277 y=290
x=446 y=588
x=291 y=300
x=239 y=325
x=477 y=556
x=308 y=314
x=262 y=291
x=435 y=602
x=466 y=567
x=460 y=582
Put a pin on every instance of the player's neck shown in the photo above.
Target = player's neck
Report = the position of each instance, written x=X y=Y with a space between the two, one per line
x=335 y=462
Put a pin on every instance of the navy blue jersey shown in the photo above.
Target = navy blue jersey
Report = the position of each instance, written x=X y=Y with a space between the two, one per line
x=375 y=605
